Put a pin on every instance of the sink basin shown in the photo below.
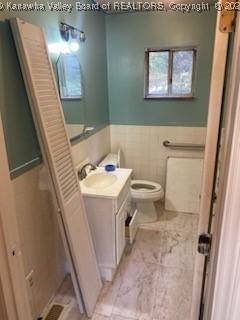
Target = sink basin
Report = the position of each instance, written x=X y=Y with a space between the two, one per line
x=100 y=180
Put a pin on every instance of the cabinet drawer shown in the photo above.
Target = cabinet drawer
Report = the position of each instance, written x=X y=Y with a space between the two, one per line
x=133 y=226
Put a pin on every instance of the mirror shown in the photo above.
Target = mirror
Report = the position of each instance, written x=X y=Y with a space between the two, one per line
x=70 y=82
x=81 y=79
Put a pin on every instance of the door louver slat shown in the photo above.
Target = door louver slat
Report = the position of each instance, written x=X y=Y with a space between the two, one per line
x=35 y=51
x=56 y=137
x=59 y=158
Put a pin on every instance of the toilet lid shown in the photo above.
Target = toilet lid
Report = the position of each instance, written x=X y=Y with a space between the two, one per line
x=145 y=186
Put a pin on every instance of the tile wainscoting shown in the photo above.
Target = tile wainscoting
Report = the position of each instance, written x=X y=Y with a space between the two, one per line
x=39 y=233
x=41 y=243
x=144 y=152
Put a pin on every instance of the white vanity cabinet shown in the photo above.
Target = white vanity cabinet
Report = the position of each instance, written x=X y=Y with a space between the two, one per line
x=106 y=217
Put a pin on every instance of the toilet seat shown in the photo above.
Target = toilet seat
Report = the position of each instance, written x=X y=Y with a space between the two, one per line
x=146 y=190
x=145 y=186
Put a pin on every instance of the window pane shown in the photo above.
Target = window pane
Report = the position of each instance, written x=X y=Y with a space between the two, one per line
x=158 y=73
x=182 y=72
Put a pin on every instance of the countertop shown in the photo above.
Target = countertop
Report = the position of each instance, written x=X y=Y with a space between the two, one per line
x=111 y=191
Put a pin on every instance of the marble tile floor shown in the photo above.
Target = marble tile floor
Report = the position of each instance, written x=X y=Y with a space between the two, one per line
x=154 y=279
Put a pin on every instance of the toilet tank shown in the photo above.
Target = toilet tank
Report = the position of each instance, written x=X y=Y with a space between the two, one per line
x=112 y=158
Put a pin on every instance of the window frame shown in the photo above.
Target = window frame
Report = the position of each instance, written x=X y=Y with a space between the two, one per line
x=171 y=50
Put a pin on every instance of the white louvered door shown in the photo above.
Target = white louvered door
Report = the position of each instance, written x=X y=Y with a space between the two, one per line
x=49 y=121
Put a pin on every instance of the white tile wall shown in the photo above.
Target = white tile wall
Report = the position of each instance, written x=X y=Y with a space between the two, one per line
x=39 y=234
x=143 y=150
x=94 y=148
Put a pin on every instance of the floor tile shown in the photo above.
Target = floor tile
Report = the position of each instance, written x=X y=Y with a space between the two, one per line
x=172 y=221
x=173 y=294
x=116 y=317
x=137 y=292
x=176 y=250
x=99 y=317
x=65 y=294
x=195 y=221
x=108 y=296
x=154 y=278
x=147 y=246
x=73 y=313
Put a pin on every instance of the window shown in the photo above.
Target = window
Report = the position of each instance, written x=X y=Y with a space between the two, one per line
x=169 y=73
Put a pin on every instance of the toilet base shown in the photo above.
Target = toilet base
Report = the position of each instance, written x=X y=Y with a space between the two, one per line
x=146 y=212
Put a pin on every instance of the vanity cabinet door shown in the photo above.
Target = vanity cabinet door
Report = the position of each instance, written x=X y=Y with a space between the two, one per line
x=120 y=231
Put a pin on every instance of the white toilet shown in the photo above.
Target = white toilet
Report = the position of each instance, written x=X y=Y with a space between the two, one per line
x=143 y=192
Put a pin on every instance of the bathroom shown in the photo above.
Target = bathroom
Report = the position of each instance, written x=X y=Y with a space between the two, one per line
x=113 y=113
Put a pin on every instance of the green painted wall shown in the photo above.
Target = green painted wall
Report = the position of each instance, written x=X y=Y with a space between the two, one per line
x=22 y=144
x=127 y=36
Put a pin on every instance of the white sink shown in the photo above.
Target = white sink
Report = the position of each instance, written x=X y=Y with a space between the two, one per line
x=100 y=180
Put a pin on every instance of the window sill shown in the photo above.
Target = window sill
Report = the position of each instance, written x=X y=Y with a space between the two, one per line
x=149 y=97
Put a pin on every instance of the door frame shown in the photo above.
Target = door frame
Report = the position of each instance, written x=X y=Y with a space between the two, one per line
x=210 y=157
x=224 y=267
x=12 y=275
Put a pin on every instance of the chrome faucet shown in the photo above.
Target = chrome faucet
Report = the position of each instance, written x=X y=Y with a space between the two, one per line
x=83 y=172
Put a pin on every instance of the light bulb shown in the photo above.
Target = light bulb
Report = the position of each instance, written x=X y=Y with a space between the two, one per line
x=59 y=47
x=74 y=46
x=64 y=47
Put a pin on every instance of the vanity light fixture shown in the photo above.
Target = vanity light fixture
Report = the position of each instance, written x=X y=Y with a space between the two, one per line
x=69 y=33
x=70 y=39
